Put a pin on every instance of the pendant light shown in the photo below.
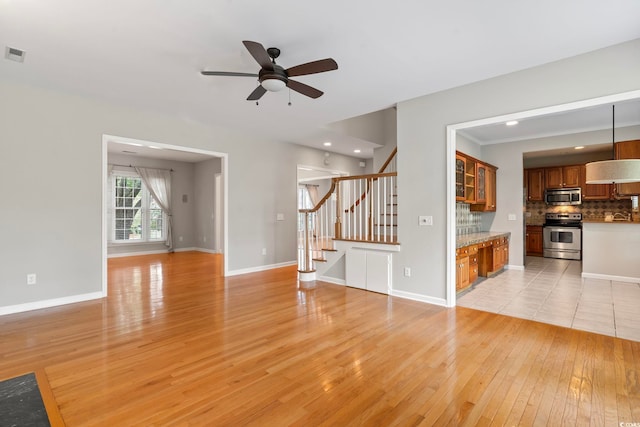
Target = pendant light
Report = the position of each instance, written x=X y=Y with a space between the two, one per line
x=613 y=171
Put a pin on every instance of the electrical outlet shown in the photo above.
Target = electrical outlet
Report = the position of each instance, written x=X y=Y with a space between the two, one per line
x=31 y=279
x=407 y=272
x=425 y=220
x=511 y=217
x=264 y=251
x=180 y=239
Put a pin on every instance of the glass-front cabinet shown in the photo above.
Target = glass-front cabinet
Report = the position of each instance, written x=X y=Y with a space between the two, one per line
x=481 y=193
x=460 y=169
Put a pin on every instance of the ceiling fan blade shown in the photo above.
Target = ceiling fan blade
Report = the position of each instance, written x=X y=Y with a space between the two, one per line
x=257 y=93
x=304 y=89
x=259 y=53
x=314 y=67
x=227 y=73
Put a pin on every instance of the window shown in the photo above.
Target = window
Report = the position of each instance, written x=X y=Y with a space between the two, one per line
x=135 y=214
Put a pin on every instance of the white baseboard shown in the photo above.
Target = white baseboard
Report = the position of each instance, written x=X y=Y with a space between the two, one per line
x=209 y=251
x=260 y=268
x=162 y=251
x=19 y=308
x=333 y=280
x=611 y=277
x=514 y=267
x=417 y=297
x=126 y=254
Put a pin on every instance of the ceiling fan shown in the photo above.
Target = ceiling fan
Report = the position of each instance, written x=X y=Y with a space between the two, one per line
x=273 y=77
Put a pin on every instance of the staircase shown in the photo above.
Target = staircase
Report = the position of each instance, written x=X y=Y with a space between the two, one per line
x=362 y=209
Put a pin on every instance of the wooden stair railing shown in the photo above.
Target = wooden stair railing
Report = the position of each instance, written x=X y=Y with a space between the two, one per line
x=370 y=218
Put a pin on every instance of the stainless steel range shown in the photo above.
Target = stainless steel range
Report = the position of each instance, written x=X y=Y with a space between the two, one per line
x=562 y=236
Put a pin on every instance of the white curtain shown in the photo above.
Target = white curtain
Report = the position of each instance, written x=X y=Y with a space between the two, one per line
x=313 y=194
x=158 y=182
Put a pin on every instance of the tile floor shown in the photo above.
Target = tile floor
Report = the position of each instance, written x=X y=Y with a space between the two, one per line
x=553 y=291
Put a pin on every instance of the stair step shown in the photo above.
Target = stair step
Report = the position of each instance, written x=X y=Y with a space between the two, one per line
x=320 y=259
x=329 y=249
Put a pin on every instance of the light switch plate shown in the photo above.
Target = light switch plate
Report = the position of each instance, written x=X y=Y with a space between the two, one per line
x=512 y=217
x=280 y=217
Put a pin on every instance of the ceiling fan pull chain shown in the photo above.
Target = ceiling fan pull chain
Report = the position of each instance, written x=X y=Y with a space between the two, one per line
x=289 y=97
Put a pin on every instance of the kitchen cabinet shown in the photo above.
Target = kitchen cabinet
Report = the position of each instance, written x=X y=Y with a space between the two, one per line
x=462 y=272
x=563 y=176
x=473 y=264
x=466 y=266
x=534 y=240
x=595 y=191
x=493 y=256
x=470 y=180
x=460 y=168
x=535 y=184
x=481 y=181
x=627 y=150
x=488 y=184
x=465 y=178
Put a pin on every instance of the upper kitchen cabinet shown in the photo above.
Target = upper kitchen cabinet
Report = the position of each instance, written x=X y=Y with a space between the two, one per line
x=460 y=168
x=595 y=191
x=486 y=179
x=535 y=184
x=627 y=150
x=466 y=181
x=563 y=176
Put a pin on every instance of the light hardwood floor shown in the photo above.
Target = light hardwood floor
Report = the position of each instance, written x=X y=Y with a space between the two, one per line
x=176 y=344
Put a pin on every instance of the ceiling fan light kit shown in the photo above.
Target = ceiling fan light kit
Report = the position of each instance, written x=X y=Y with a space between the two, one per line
x=273 y=77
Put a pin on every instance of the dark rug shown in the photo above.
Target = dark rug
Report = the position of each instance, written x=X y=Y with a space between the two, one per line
x=21 y=403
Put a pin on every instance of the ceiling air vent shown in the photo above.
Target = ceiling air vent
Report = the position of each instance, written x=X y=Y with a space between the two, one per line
x=13 y=54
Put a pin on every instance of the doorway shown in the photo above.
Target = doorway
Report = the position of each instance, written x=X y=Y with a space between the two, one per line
x=199 y=199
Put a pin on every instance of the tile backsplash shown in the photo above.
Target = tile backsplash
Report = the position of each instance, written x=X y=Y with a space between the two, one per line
x=591 y=209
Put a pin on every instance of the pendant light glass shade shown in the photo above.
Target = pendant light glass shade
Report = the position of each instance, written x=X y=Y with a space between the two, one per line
x=613 y=171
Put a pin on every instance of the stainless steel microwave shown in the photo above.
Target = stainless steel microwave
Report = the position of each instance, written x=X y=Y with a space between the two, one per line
x=563 y=196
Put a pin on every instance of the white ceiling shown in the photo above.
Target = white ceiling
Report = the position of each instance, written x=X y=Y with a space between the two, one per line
x=627 y=113
x=148 y=53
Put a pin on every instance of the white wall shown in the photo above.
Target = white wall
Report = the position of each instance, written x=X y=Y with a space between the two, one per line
x=423 y=160
x=610 y=251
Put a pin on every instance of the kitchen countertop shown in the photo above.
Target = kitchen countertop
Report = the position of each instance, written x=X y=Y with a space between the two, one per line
x=463 y=240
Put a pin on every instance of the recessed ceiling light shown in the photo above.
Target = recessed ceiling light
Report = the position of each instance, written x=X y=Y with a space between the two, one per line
x=356 y=151
x=326 y=144
x=512 y=123
x=154 y=147
x=579 y=147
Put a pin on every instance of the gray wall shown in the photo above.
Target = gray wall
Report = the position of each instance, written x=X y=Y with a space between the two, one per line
x=422 y=161
x=204 y=203
x=51 y=175
x=182 y=182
